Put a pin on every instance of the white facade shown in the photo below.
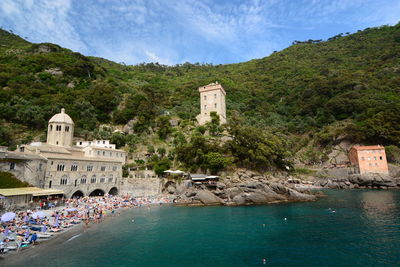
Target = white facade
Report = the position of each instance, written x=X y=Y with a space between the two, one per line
x=96 y=143
x=212 y=99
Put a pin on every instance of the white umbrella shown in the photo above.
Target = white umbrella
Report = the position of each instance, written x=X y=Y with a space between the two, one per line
x=72 y=209
x=38 y=214
x=8 y=216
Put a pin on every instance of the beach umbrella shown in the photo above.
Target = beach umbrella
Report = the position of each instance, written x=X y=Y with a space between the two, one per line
x=8 y=216
x=72 y=209
x=38 y=214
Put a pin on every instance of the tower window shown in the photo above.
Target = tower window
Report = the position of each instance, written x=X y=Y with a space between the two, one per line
x=51 y=127
x=67 y=128
x=215 y=105
x=58 y=128
x=215 y=95
x=205 y=97
x=205 y=106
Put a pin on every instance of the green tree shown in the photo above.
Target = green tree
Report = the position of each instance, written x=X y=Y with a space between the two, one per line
x=215 y=162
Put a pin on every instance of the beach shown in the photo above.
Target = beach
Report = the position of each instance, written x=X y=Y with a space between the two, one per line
x=59 y=225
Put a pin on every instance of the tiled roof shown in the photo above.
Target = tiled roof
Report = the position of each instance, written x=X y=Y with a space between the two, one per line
x=377 y=147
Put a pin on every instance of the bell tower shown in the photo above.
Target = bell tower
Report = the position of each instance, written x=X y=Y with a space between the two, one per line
x=60 y=131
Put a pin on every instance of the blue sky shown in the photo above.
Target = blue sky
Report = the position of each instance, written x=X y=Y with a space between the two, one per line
x=177 y=31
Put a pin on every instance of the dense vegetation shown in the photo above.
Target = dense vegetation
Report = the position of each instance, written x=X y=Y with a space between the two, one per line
x=318 y=92
x=8 y=180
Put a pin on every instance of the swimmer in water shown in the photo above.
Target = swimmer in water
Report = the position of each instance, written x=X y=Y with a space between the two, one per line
x=285 y=219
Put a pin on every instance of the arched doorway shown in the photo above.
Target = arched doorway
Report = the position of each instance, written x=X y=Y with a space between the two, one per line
x=113 y=191
x=96 y=193
x=77 y=194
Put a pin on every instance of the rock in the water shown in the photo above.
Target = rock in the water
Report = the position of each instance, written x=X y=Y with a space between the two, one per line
x=239 y=200
x=297 y=196
x=208 y=198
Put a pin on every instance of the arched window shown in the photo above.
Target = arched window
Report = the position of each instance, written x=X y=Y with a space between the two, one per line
x=61 y=167
x=51 y=127
x=64 y=180
x=83 y=180
x=67 y=128
x=93 y=179
x=110 y=179
x=102 y=179
x=74 y=167
x=50 y=182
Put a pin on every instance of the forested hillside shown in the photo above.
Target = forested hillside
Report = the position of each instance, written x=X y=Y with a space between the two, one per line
x=345 y=87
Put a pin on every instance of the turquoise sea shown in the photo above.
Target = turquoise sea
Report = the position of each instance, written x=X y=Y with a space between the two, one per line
x=348 y=228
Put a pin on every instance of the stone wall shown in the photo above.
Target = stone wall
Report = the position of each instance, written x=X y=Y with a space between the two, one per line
x=140 y=187
x=31 y=171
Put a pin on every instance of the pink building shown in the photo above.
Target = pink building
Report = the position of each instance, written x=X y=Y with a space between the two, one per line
x=369 y=159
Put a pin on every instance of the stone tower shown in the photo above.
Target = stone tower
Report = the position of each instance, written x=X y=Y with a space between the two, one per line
x=60 y=130
x=212 y=99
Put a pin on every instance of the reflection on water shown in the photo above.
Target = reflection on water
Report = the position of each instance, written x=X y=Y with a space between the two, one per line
x=379 y=207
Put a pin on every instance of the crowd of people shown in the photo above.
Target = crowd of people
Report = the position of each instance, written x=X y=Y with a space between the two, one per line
x=26 y=228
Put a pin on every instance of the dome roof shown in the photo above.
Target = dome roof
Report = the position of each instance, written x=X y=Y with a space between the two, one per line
x=61 y=118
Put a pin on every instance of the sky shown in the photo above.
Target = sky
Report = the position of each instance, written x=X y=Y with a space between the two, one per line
x=177 y=31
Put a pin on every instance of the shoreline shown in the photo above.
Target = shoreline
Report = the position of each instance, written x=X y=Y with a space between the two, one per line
x=13 y=258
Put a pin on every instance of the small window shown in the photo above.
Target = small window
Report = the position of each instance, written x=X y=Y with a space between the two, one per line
x=51 y=127
x=51 y=163
x=114 y=168
x=12 y=165
x=215 y=96
x=83 y=180
x=110 y=180
x=215 y=105
x=380 y=157
x=205 y=106
x=104 y=153
x=80 y=143
x=374 y=158
x=362 y=158
x=57 y=143
x=376 y=164
x=205 y=113
x=104 y=142
x=89 y=168
x=205 y=97
x=93 y=180
x=67 y=128
x=370 y=164
x=22 y=149
x=103 y=168
x=102 y=179
x=98 y=152
x=50 y=182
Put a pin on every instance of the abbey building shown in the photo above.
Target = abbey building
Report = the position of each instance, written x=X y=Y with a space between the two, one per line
x=86 y=168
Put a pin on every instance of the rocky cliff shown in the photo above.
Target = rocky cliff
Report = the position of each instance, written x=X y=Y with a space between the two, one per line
x=242 y=188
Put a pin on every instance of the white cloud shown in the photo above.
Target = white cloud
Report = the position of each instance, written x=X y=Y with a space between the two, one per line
x=42 y=21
